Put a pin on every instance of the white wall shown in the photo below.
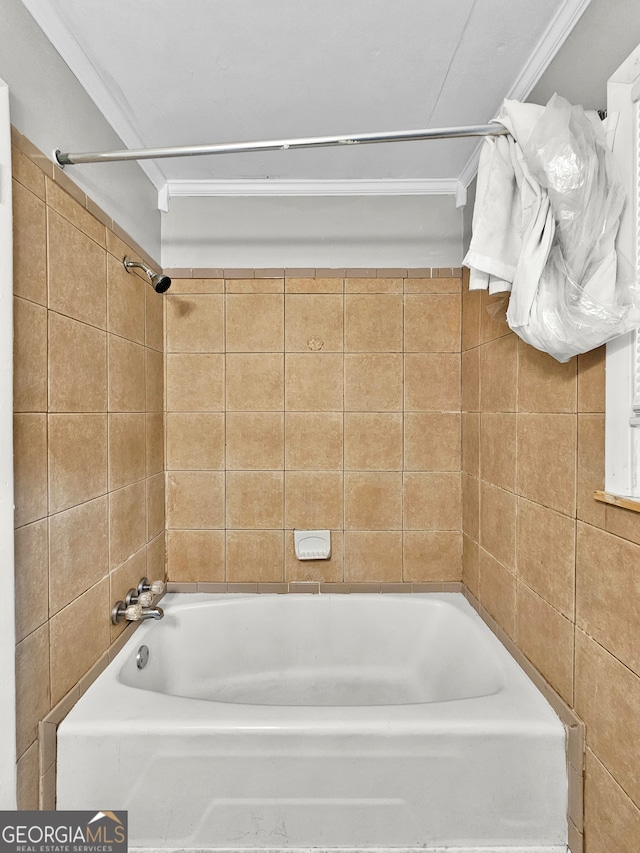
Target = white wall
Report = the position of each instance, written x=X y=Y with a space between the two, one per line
x=376 y=231
x=7 y=625
x=51 y=109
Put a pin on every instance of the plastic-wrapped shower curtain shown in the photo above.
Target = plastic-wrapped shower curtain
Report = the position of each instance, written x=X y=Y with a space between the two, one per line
x=547 y=211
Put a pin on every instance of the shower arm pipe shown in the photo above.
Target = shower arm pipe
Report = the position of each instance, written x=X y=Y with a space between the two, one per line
x=76 y=159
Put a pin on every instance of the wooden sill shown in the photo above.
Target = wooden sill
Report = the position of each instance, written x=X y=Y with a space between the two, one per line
x=616 y=500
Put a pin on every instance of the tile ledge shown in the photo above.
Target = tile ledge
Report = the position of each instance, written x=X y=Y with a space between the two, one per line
x=617 y=500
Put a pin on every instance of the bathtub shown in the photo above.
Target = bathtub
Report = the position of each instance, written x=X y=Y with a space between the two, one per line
x=319 y=721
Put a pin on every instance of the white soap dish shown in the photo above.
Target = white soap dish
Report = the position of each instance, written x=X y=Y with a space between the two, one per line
x=312 y=544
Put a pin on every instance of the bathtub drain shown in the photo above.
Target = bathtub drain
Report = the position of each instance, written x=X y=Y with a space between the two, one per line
x=142 y=658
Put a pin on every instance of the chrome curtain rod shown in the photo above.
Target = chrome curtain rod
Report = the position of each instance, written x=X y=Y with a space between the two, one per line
x=73 y=159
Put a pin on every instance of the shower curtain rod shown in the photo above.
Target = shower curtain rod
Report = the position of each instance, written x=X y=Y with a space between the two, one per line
x=74 y=159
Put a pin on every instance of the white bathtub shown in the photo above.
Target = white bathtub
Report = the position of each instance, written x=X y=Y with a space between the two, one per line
x=332 y=721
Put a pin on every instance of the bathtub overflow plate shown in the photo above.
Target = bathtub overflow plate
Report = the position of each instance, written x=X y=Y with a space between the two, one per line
x=142 y=658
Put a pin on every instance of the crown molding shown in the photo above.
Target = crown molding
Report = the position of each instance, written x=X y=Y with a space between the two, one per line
x=55 y=29
x=283 y=188
x=551 y=41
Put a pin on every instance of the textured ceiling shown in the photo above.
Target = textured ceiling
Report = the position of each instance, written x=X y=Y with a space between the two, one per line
x=180 y=72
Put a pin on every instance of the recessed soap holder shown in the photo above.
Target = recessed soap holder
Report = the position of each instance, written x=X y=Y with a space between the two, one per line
x=312 y=544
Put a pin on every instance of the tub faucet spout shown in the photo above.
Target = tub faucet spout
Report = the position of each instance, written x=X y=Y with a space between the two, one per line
x=151 y=613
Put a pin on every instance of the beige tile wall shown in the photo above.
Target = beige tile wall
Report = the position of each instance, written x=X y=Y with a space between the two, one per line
x=89 y=455
x=314 y=400
x=555 y=568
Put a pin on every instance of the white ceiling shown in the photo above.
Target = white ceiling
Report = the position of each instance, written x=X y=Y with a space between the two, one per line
x=183 y=72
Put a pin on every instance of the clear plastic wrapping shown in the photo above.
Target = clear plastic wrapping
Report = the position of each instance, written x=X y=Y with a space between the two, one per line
x=578 y=293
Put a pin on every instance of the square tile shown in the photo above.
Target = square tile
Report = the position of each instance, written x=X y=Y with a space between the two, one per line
x=195 y=322
x=313 y=500
x=313 y=440
x=432 y=322
x=196 y=555
x=371 y=556
x=255 y=440
x=29 y=356
x=373 y=323
x=314 y=382
x=255 y=382
x=195 y=499
x=29 y=468
x=254 y=499
x=432 y=382
x=432 y=556
x=432 y=501
x=373 y=501
x=373 y=441
x=313 y=322
x=431 y=441
x=195 y=441
x=195 y=382
x=255 y=556
x=254 y=322
x=373 y=382
x=77 y=459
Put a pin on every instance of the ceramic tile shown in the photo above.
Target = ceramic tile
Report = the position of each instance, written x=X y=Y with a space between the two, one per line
x=31 y=577
x=73 y=535
x=127 y=522
x=606 y=576
x=79 y=635
x=432 y=382
x=545 y=385
x=29 y=356
x=255 y=322
x=470 y=560
x=155 y=506
x=154 y=380
x=30 y=467
x=309 y=284
x=195 y=323
x=126 y=294
x=471 y=305
x=195 y=499
x=498 y=449
x=127 y=449
x=431 y=442
x=314 y=382
x=195 y=382
x=373 y=441
x=591 y=380
x=313 y=440
x=546 y=554
x=127 y=382
x=471 y=507
x=313 y=500
x=154 y=443
x=154 y=319
x=364 y=284
x=373 y=382
x=313 y=322
x=77 y=366
x=195 y=441
x=608 y=700
x=373 y=501
x=77 y=273
x=77 y=459
x=498 y=375
x=372 y=556
x=373 y=323
x=432 y=501
x=497 y=588
x=255 y=440
x=196 y=555
x=612 y=820
x=554 y=439
x=498 y=511
x=471 y=443
x=470 y=392
x=432 y=323
x=27 y=779
x=590 y=469
x=254 y=499
x=33 y=698
x=255 y=555
x=26 y=172
x=546 y=638
x=29 y=245
x=255 y=382
x=432 y=556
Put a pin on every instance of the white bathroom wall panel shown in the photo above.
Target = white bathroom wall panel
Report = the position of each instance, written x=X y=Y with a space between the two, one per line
x=50 y=107
x=383 y=231
x=7 y=624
